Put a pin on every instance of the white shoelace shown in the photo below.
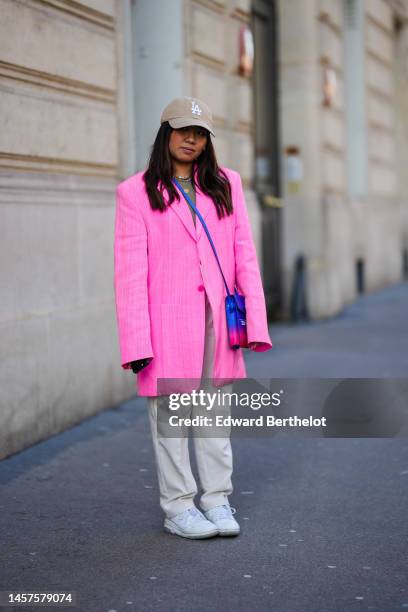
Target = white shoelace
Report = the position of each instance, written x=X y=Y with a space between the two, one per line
x=222 y=512
x=193 y=514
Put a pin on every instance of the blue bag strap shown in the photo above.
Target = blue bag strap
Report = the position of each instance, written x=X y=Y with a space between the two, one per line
x=205 y=227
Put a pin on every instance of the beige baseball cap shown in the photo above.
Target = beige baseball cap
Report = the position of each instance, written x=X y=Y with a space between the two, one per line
x=185 y=111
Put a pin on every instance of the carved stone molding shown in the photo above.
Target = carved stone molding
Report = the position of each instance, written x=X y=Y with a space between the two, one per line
x=30 y=188
x=400 y=8
x=81 y=11
x=56 y=82
x=38 y=163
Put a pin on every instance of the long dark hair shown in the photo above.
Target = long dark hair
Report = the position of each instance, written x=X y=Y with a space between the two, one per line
x=211 y=178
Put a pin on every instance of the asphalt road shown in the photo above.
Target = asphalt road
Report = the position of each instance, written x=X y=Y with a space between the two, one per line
x=324 y=521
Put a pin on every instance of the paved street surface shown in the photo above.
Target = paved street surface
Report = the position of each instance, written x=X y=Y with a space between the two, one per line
x=324 y=521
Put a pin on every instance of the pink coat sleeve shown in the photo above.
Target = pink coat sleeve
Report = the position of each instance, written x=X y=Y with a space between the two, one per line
x=247 y=273
x=130 y=280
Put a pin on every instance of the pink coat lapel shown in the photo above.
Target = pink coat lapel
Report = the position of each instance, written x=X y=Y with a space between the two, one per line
x=181 y=209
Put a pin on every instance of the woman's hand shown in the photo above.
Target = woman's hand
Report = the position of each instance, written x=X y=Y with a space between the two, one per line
x=253 y=345
x=139 y=364
x=259 y=346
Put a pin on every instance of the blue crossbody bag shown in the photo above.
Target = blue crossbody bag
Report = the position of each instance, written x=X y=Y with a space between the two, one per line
x=234 y=303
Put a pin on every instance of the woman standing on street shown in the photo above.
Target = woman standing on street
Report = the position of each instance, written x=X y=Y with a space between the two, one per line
x=170 y=301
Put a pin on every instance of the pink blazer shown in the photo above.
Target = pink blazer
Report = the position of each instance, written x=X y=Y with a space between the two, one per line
x=162 y=266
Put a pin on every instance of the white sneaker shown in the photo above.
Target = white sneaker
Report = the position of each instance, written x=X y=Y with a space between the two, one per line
x=222 y=517
x=190 y=524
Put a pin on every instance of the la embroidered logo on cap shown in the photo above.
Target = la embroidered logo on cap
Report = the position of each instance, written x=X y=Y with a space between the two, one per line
x=195 y=109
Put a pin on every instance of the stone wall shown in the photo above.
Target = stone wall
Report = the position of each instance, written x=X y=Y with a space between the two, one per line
x=336 y=219
x=58 y=170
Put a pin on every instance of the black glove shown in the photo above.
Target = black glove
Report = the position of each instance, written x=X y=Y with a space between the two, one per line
x=139 y=364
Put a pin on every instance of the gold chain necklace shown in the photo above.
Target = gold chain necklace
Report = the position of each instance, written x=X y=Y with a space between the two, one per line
x=184 y=178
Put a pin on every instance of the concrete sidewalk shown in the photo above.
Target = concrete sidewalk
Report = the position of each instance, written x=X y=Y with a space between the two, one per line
x=324 y=523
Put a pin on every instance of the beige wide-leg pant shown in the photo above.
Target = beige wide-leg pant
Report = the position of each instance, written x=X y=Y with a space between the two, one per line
x=214 y=455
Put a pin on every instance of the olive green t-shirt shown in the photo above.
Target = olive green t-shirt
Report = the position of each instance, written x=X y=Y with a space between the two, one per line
x=188 y=187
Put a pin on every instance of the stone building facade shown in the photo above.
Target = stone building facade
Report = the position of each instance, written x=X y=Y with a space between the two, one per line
x=349 y=216
x=58 y=170
x=319 y=133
